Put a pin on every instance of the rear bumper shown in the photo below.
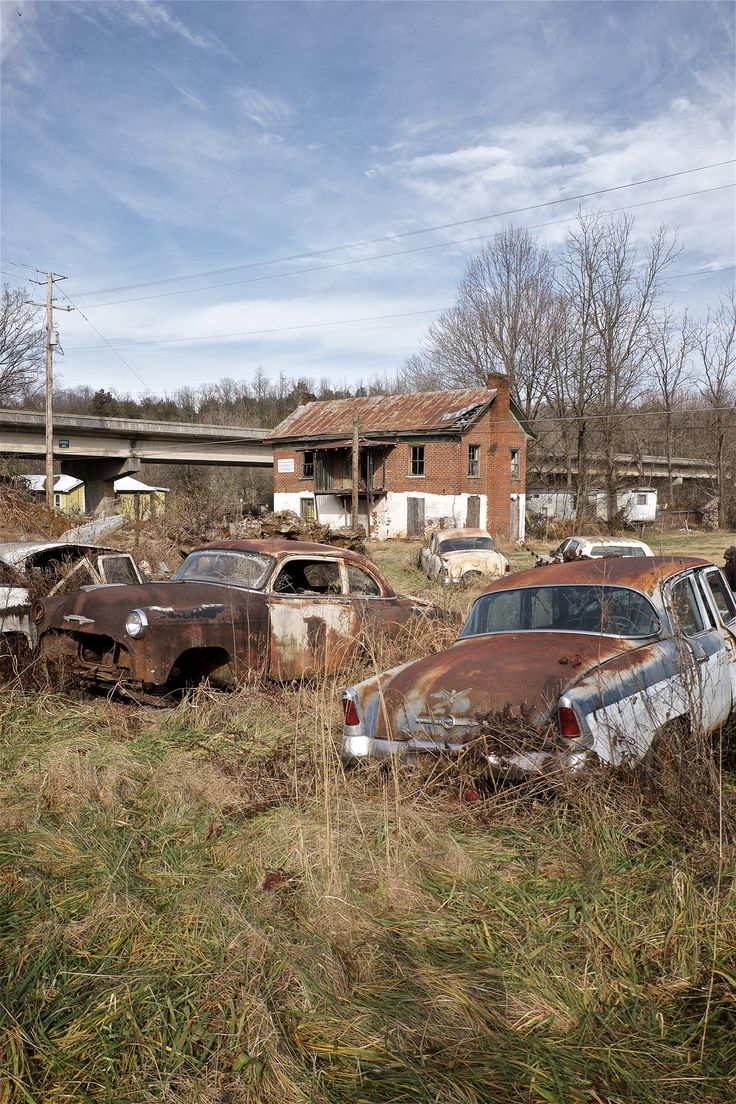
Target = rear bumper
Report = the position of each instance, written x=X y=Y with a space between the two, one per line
x=357 y=748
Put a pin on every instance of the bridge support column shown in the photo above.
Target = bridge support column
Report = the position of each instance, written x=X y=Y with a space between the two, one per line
x=99 y=480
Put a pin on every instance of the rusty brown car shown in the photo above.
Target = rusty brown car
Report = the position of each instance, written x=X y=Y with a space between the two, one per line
x=563 y=666
x=235 y=608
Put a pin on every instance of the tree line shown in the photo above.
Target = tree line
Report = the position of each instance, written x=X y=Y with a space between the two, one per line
x=598 y=361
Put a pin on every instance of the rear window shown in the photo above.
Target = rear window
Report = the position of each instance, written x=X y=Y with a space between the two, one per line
x=118 y=569
x=468 y=544
x=607 y=611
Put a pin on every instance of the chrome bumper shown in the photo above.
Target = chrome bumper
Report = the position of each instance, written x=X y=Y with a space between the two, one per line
x=357 y=747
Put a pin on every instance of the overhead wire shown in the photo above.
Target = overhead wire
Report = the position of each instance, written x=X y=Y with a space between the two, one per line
x=410 y=233
x=395 y=253
x=197 y=339
x=112 y=348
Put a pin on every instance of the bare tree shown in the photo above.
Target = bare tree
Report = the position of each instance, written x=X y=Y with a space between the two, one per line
x=716 y=344
x=613 y=281
x=497 y=324
x=22 y=345
x=671 y=344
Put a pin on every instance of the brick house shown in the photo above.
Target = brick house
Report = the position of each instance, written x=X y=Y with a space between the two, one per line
x=448 y=458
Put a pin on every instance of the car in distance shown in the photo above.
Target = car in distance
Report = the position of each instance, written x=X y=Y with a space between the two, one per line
x=279 y=608
x=51 y=568
x=561 y=666
x=462 y=556
x=575 y=548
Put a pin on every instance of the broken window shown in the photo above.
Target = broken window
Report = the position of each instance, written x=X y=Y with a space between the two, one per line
x=473 y=460
x=309 y=577
x=416 y=460
x=515 y=464
x=118 y=569
x=308 y=464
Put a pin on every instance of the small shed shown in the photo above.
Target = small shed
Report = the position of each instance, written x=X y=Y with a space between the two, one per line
x=68 y=492
x=635 y=503
x=137 y=499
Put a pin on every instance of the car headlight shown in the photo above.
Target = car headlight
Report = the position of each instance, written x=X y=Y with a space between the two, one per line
x=136 y=623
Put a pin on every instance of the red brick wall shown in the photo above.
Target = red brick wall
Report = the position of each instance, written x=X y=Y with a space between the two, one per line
x=504 y=434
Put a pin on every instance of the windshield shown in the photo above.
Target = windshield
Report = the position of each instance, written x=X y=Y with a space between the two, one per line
x=608 y=611
x=599 y=550
x=467 y=544
x=240 y=569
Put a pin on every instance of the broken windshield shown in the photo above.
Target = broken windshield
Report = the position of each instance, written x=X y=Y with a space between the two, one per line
x=240 y=569
x=608 y=611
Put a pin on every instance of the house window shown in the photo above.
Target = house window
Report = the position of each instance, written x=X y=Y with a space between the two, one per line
x=57 y=501
x=473 y=460
x=515 y=464
x=306 y=508
x=308 y=464
x=641 y=500
x=416 y=461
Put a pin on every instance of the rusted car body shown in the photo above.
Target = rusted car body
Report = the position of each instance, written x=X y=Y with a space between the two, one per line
x=55 y=568
x=462 y=556
x=561 y=666
x=235 y=608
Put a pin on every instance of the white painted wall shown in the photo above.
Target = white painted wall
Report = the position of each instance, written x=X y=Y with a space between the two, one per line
x=389 y=513
x=627 y=501
x=552 y=503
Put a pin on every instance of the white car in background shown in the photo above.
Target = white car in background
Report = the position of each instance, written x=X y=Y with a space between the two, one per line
x=462 y=555
x=599 y=547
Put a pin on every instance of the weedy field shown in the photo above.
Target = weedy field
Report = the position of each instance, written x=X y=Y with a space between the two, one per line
x=200 y=906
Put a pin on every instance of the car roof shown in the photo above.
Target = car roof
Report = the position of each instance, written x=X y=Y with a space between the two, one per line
x=16 y=553
x=282 y=548
x=611 y=540
x=643 y=573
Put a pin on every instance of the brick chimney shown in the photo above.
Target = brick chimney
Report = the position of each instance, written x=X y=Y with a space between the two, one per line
x=501 y=409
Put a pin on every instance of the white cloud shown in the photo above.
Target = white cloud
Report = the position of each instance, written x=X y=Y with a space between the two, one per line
x=261 y=108
x=155 y=17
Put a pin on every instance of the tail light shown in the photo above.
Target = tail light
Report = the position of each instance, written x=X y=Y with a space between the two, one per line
x=350 y=712
x=568 y=722
x=507 y=567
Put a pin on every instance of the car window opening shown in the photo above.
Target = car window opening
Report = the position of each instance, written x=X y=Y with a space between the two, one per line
x=467 y=544
x=309 y=577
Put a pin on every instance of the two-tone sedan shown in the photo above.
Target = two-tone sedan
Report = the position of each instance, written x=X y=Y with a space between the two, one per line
x=275 y=608
x=561 y=666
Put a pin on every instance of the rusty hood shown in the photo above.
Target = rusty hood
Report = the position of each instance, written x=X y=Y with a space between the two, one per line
x=108 y=606
x=450 y=695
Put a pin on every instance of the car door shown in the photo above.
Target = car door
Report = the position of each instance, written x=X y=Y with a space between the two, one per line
x=430 y=560
x=708 y=686
x=379 y=612
x=314 y=626
x=722 y=603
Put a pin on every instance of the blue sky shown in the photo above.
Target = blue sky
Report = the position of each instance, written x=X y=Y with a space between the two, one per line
x=148 y=140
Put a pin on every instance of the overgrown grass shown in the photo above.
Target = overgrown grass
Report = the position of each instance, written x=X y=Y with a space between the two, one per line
x=198 y=906
x=408 y=945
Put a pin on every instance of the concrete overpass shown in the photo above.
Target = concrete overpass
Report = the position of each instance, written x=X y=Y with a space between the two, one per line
x=99 y=450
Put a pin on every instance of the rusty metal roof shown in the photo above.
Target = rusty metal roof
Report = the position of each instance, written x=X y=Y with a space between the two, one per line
x=422 y=412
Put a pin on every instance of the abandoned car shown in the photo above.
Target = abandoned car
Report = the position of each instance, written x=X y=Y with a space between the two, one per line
x=462 y=556
x=279 y=608
x=52 y=568
x=577 y=548
x=562 y=666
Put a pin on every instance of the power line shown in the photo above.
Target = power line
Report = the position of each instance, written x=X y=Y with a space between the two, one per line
x=120 y=357
x=408 y=233
x=395 y=253
x=197 y=339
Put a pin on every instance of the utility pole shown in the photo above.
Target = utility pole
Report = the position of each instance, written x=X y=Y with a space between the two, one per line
x=49 y=390
x=52 y=340
x=355 y=473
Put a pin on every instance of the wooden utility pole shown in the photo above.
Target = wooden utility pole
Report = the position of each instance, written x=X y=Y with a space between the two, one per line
x=49 y=390
x=355 y=474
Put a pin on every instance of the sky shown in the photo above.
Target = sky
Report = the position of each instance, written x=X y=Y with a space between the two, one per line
x=144 y=142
